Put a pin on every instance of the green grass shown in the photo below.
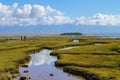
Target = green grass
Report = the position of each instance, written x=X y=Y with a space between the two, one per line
x=97 y=73
x=89 y=58
x=14 y=52
x=11 y=58
x=90 y=49
x=101 y=62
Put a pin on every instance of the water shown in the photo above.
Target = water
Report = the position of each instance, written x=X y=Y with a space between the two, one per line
x=42 y=65
x=117 y=35
x=76 y=40
x=98 y=43
x=69 y=48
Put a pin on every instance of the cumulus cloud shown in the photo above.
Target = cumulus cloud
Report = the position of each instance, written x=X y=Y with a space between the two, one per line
x=30 y=15
x=99 y=19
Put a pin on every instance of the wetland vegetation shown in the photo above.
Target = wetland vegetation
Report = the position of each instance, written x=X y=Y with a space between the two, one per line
x=91 y=61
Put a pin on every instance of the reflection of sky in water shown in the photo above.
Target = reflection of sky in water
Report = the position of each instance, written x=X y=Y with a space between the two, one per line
x=42 y=65
x=76 y=40
x=69 y=48
x=41 y=58
x=98 y=43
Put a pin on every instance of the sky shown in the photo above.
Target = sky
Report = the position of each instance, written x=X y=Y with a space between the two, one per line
x=49 y=15
x=74 y=8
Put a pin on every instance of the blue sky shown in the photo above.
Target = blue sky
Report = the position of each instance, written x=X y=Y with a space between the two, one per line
x=75 y=8
x=57 y=16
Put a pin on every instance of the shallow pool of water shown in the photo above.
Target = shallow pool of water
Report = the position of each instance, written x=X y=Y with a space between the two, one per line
x=98 y=43
x=42 y=65
x=76 y=40
x=69 y=48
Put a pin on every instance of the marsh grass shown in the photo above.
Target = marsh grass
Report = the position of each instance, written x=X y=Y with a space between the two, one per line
x=90 y=49
x=83 y=60
x=94 y=62
x=94 y=73
x=14 y=53
x=88 y=57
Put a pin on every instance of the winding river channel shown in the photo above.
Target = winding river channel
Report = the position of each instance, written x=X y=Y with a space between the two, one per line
x=42 y=67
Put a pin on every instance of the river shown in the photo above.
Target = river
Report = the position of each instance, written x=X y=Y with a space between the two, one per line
x=42 y=67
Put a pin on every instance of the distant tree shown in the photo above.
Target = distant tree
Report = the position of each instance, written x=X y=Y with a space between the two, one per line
x=71 y=33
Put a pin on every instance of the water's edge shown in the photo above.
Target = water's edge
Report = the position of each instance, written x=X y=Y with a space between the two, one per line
x=47 y=68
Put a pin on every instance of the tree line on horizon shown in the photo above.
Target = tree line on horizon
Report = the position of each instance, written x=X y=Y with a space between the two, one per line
x=71 y=33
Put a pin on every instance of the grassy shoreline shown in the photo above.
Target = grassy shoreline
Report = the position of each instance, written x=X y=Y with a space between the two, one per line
x=87 y=59
x=94 y=62
x=15 y=53
x=94 y=73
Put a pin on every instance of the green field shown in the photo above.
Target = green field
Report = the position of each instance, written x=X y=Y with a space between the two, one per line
x=100 y=61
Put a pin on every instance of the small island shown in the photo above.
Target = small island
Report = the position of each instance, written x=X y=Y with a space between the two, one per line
x=71 y=33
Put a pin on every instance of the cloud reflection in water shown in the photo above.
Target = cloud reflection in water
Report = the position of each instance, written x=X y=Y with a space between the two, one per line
x=42 y=58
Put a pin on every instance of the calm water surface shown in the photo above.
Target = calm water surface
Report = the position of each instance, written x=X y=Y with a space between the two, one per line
x=69 y=48
x=76 y=40
x=42 y=65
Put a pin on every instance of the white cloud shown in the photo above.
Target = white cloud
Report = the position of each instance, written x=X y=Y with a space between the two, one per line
x=30 y=15
x=15 y=5
x=23 y=12
x=99 y=19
